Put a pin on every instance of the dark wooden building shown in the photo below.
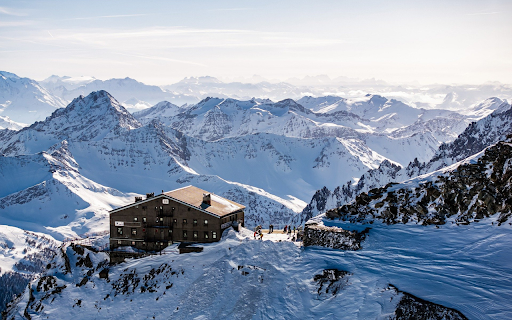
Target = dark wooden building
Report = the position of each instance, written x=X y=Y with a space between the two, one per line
x=187 y=214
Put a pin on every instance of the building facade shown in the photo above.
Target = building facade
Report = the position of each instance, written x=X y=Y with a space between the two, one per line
x=187 y=214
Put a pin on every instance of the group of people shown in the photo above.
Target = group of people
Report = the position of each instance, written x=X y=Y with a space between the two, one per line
x=287 y=230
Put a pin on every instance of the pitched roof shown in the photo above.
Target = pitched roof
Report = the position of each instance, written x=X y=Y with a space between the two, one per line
x=194 y=196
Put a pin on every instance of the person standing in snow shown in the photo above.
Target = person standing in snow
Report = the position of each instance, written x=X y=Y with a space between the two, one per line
x=293 y=229
x=261 y=236
x=285 y=226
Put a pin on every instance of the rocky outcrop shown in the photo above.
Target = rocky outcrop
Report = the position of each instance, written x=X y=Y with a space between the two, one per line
x=412 y=307
x=331 y=281
x=476 y=188
x=333 y=237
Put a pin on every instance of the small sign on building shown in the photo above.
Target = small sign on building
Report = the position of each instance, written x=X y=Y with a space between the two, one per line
x=119 y=223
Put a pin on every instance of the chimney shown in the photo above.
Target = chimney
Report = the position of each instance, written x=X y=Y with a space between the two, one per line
x=150 y=195
x=137 y=199
x=207 y=198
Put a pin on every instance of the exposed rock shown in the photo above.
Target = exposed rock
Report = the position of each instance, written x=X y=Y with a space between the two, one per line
x=333 y=237
x=473 y=190
x=331 y=281
x=412 y=307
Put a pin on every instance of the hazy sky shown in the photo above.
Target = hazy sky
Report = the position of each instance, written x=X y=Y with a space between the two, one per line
x=160 y=42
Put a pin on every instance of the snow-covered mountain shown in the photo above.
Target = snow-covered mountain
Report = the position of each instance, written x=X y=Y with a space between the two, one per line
x=24 y=100
x=388 y=127
x=7 y=123
x=86 y=118
x=203 y=87
x=134 y=94
x=66 y=172
x=466 y=192
x=70 y=169
x=476 y=137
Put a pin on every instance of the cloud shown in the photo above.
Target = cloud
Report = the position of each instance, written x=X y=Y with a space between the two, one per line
x=182 y=38
x=9 y=12
x=110 y=16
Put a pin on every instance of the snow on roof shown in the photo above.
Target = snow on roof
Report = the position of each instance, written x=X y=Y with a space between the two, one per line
x=194 y=196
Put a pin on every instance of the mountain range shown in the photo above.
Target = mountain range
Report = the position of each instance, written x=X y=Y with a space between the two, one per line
x=429 y=185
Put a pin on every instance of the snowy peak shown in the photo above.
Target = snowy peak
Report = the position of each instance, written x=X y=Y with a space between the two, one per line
x=7 y=123
x=24 y=100
x=89 y=118
x=162 y=109
x=98 y=106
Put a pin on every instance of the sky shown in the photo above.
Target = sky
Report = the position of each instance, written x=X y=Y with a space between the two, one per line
x=161 y=42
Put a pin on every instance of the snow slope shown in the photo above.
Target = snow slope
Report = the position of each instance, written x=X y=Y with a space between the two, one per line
x=7 y=123
x=24 y=100
x=466 y=268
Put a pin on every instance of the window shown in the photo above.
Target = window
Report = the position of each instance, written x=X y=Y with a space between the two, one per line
x=133 y=243
x=137 y=207
x=165 y=201
x=172 y=209
x=134 y=231
x=135 y=219
x=144 y=219
x=170 y=231
x=119 y=242
x=188 y=209
x=120 y=230
x=157 y=220
x=184 y=221
x=161 y=219
x=184 y=234
x=206 y=235
x=214 y=235
x=195 y=235
x=143 y=243
x=195 y=222
x=205 y=222
x=175 y=220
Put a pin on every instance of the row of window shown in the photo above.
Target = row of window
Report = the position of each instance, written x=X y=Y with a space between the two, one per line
x=161 y=219
x=144 y=208
x=121 y=242
x=231 y=218
x=195 y=234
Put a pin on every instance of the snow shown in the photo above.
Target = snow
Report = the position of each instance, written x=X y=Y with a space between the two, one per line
x=463 y=267
x=14 y=245
x=7 y=123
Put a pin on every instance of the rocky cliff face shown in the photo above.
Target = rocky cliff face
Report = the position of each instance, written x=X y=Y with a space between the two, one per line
x=476 y=188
